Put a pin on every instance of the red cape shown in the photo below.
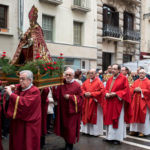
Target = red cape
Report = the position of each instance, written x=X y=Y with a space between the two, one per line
x=25 y=110
x=44 y=94
x=68 y=116
x=89 y=109
x=113 y=106
x=139 y=104
x=1 y=147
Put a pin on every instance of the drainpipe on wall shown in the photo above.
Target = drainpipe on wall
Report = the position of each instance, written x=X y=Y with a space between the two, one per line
x=140 y=11
x=20 y=17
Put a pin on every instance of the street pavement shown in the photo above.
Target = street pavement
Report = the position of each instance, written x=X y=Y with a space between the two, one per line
x=87 y=142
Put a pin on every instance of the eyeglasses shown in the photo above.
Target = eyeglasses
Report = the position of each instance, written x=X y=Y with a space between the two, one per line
x=69 y=75
x=22 y=79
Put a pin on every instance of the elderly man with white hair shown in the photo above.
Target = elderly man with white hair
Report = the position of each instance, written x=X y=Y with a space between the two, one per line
x=92 y=113
x=140 y=91
x=24 y=109
x=68 y=115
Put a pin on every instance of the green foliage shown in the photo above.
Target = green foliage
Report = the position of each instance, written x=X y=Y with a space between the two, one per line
x=34 y=66
x=6 y=67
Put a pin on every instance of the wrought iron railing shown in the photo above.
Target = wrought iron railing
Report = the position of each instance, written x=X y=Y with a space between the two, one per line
x=131 y=35
x=112 y=31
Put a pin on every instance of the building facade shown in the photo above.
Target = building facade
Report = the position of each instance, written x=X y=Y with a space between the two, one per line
x=145 y=26
x=118 y=31
x=9 y=26
x=70 y=27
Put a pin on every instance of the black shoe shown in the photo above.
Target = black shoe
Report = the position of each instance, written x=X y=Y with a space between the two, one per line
x=115 y=142
x=106 y=140
x=69 y=146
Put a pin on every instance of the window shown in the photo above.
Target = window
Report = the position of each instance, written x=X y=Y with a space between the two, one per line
x=3 y=16
x=110 y=16
x=128 y=21
x=77 y=33
x=83 y=65
x=127 y=58
x=77 y=2
x=72 y=63
x=47 y=25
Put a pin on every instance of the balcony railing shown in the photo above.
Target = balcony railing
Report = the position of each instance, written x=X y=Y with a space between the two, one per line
x=81 y=5
x=55 y=2
x=111 y=31
x=131 y=35
x=136 y=1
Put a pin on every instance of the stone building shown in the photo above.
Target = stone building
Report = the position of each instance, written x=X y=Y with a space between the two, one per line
x=70 y=27
x=145 y=30
x=118 y=31
x=9 y=25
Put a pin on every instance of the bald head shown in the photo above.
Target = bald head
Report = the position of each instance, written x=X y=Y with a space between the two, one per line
x=142 y=74
x=92 y=73
x=69 y=75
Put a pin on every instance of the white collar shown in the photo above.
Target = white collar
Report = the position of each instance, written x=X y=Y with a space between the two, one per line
x=143 y=79
x=27 y=87
x=70 y=81
x=116 y=76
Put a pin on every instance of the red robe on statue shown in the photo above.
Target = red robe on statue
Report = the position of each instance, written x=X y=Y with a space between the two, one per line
x=89 y=109
x=68 y=115
x=25 y=110
x=113 y=106
x=139 y=104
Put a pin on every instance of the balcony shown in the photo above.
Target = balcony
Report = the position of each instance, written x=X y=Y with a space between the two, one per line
x=111 y=33
x=131 y=36
x=81 y=5
x=138 y=2
x=54 y=2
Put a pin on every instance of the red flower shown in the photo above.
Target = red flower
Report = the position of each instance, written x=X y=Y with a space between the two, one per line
x=61 y=54
x=45 y=69
x=3 y=55
x=60 y=57
x=55 y=62
x=38 y=56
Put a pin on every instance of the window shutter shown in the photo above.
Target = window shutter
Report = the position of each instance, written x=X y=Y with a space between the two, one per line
x=116 y=19
x=105 y=16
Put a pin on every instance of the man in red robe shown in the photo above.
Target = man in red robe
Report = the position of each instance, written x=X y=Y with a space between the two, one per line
x=68 y=115
x=140 y=91
x=116 y=110
x=92 y=114
x=44 y=107
x=25 y=111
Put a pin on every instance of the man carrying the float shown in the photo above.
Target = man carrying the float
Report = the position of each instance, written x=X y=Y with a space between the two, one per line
x=24 y=109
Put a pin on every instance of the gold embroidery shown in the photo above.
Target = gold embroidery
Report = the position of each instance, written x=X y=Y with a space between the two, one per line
x=76 y=106
x=16 y=106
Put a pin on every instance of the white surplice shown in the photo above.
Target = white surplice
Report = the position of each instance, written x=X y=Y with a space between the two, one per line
x=119 y=133
x=96 y=129
x=142 y=127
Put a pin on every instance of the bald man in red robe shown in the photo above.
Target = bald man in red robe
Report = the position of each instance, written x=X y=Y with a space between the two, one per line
x=68 y=115
x=116 y=110
x=140 y=92
x=92 y=114
x=25 y=111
